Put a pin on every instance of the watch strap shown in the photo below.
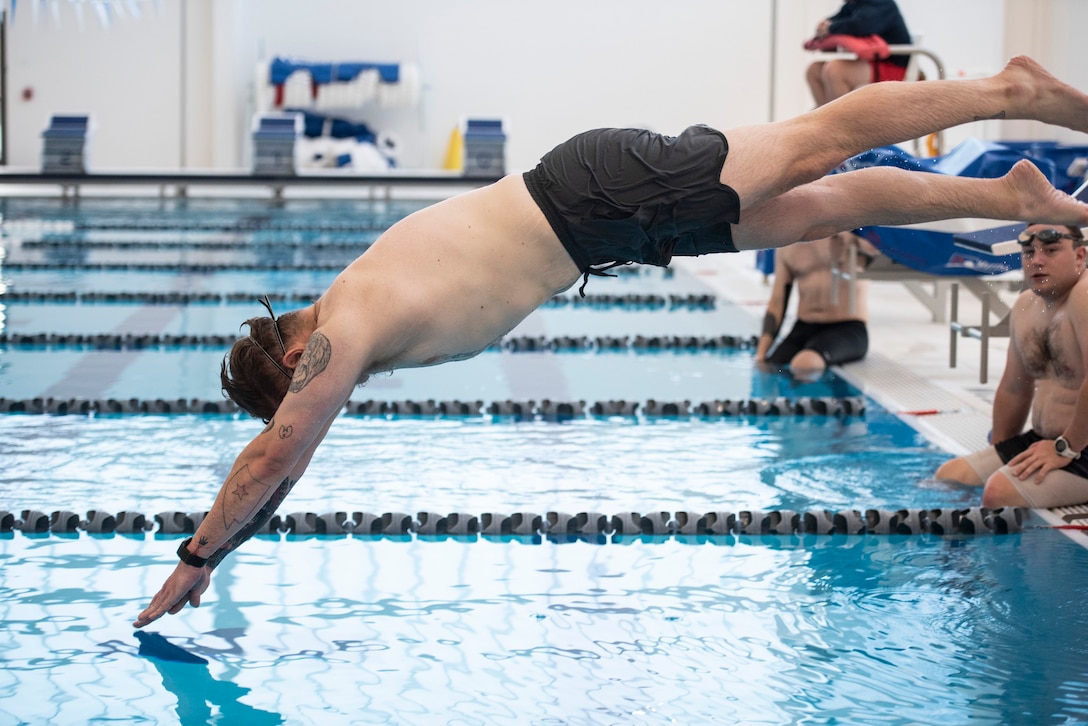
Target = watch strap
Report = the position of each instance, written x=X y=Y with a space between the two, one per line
x=188 y=557
x=1061 y=445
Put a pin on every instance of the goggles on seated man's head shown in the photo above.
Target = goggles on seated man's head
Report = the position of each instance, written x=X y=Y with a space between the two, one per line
x=1046 y=236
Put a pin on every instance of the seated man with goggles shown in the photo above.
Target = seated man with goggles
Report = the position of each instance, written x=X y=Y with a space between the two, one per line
x=1044 y=376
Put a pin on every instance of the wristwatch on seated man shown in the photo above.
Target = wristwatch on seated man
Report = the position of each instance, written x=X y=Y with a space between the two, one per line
x=1061 y=445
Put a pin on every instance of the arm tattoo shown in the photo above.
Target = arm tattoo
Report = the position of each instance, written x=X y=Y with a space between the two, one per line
x=770 y=325
x=242 y=486
x=284 y=431
x=313 y=361
x=259 y=520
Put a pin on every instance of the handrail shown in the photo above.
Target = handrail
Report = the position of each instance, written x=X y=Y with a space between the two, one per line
x=895 y=50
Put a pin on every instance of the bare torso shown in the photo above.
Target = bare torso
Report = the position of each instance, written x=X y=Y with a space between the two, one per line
x=1048 y=348
x=449 y=280
x=810 y=265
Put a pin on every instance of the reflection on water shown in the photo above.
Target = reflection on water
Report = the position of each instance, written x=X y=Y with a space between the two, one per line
x=200 y=696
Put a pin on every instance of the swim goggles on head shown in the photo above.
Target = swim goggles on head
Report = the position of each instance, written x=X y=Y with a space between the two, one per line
x=263 y=300
x=1046 y=236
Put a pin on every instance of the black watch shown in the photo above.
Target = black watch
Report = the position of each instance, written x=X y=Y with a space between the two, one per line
x=188 y=557
x=1064 y=449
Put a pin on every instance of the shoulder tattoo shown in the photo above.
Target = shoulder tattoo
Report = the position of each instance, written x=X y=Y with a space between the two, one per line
x=313 y=361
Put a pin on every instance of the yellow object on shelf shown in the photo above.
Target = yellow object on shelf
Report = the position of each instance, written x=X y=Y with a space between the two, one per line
x=455 y=151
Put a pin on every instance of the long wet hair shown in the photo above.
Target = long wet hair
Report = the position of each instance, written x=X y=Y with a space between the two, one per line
x=252 y=374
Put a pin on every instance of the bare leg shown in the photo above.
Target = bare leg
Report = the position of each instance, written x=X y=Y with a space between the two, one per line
x=814 y=76
x=767 y=160
x=958 y=470
x=807 y=365
x=843 y=76
x=889 y=196
x=1000 y=492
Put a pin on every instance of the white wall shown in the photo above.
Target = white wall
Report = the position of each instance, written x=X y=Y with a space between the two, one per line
x=552 y=69
x=176 y=87
x=128 y=77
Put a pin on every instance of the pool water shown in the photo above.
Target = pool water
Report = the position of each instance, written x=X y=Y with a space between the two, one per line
x=414 y=629
x=159 y=463
x=778 y=630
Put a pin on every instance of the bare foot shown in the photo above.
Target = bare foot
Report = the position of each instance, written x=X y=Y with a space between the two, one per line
x=1034 y=93
x=1039 y=201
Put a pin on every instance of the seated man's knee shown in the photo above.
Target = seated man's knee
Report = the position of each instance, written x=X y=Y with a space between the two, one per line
x=808 y=363
x=1000 y=492
x=958 y=470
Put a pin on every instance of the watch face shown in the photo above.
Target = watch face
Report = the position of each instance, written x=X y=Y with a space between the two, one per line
x=1062 y=447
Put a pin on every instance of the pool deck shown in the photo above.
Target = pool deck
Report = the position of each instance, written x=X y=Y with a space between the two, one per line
x=907 y=369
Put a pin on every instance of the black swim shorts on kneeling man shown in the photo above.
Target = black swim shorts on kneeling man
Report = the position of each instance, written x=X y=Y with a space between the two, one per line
x=629 y=195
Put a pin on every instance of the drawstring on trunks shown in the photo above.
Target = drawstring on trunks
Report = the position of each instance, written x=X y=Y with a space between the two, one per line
x=598 y=272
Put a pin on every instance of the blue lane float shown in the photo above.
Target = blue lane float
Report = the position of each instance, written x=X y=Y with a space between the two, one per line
x=554 y=525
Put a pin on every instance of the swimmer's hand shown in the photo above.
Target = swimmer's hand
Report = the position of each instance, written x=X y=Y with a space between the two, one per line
x=1040 y=457
x=185 y=585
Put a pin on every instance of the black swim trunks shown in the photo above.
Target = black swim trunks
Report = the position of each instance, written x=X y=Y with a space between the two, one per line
x=1009 y=448
x=842 y=342
x=627 y=195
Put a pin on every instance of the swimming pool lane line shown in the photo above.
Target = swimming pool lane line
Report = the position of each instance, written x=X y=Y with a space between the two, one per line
x=588 y=526
x=510 y=343
x=544 y=409
x=640 y=302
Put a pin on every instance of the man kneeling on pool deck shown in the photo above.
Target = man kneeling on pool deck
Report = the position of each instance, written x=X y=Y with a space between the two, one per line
x=1044 y=374
x=447 y=281
x=825 y=333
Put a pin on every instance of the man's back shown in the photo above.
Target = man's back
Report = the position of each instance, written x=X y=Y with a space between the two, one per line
x=449 y=280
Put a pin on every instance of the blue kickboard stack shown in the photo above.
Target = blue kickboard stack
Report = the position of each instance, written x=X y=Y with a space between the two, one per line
x=485 y=148
x=274 y=137
x=64 y=144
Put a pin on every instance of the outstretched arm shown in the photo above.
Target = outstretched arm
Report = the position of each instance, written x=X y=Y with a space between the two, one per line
x=263 y=473
x=268 y=508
